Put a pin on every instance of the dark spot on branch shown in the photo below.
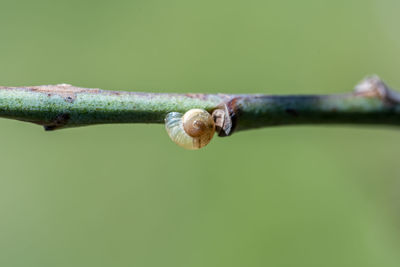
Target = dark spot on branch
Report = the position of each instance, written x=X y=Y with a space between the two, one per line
x=292 y=112
x=60 y=121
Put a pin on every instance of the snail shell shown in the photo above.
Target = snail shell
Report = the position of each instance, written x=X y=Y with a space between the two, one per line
x=192 y=130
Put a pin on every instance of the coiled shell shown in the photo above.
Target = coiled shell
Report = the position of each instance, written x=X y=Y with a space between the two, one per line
x=192 y=130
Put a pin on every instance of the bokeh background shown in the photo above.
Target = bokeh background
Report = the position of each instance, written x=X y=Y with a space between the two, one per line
x=125 y=195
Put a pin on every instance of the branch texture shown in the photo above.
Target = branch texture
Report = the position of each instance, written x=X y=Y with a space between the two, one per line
x=63 y=105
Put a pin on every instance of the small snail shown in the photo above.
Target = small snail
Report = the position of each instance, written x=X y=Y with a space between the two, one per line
x=192 y=130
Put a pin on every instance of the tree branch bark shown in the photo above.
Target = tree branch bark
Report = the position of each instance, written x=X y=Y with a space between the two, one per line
x=63 y=105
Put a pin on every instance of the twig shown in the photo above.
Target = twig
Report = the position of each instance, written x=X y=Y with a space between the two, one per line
x=63 y=105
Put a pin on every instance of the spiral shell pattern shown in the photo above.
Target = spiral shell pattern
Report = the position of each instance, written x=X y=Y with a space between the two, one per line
x=192 y=130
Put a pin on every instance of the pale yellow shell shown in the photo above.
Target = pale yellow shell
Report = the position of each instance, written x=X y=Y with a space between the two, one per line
x=192 y=130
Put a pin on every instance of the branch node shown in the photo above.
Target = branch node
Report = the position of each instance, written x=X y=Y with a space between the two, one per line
x=225 y=117
x=374 y=87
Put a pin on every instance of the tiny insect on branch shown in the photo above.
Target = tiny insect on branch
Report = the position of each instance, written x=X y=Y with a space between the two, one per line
x=62 y=106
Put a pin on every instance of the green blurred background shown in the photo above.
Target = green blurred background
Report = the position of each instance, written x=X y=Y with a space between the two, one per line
x=125 y=195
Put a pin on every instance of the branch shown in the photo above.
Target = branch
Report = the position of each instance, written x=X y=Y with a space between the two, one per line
x=63 y=105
